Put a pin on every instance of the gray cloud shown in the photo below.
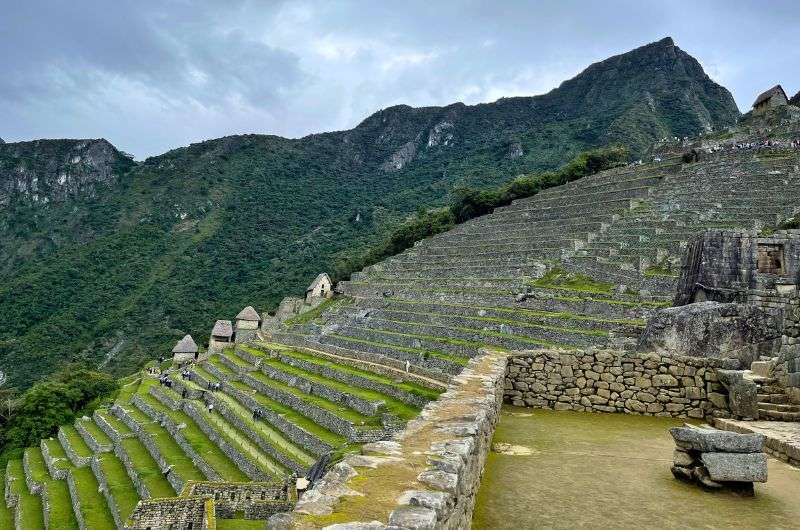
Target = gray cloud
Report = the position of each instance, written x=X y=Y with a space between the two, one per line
x=152 y=75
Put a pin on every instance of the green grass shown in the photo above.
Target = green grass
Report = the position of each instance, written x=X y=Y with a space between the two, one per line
x=393 y=405
x=61 y=514
x=240 y=524
x=116 y=423
x=409 y=387
x=267 y=432
x=57 y=451
x=200 y=442
x=30 y=506
x=417 y=351
x=119 y=484
x=96 y=432
x=127 y=391
x=76 y=442
x=313 y=314
x=93 y=505
x=242 y=443
x=167 y=445
x=561 y=279
x=535 y=313
x=147 y=469
x=343 y=412
x=6 y=515
x=293 y=416
x=661 y=271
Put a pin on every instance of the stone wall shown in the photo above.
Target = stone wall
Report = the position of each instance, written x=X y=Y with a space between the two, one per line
x=611 y=381
x=77 y=460
x=93 y=444
x=50 y=461
x=296 y=434
x=107 y=428
x=254 y=500
x=177 y=512
x=102 y=482
x=221 y=407
x=130 y=469
x=435 y=464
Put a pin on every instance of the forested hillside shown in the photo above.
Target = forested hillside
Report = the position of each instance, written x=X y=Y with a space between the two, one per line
x=110 y=262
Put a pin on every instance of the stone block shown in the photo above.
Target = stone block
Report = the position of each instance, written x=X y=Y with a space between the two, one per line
x=736 y=467
x=712 y=440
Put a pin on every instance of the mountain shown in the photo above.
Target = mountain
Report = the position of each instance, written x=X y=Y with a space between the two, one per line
x=108 y=261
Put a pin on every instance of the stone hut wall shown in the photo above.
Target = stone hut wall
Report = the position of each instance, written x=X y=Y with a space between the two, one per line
x=176 y=512
x=610 y=381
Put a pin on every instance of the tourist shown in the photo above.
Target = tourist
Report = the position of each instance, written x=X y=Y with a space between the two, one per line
x=408 y=365
x=210 y=407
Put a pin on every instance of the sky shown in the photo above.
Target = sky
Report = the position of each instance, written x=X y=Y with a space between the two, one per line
x=150 y=76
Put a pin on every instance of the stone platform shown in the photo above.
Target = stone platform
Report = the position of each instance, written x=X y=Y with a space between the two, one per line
x=783 y=437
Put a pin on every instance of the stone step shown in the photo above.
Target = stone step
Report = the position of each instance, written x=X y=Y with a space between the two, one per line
x=773 y=398
x=778 y=415
x=762 y=368
x=782 y=407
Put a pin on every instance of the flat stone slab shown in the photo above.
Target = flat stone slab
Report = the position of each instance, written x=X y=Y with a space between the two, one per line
x=712 y=440
x=783 y=437
x=736 y=467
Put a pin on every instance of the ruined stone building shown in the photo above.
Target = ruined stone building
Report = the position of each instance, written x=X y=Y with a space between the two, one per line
x=774 y=97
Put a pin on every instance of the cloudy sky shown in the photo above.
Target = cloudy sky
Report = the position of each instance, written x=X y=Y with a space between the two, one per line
x=152 y=75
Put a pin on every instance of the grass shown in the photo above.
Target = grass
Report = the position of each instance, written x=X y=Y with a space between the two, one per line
x=116 y=423
x=240 y=524
x=241 y=443
x=120 y=485
x=30 y=506
x=200 y=442
x=76 y=442
x=659 y=271
x=291 y=415
x=96 y=432
x=127 y=391
x=267 y=432
x=409 y=387
x=517 y=323
x=167 y=446
x=57 y=451
x=147 y=469
x=393 y=405
x=93 y=505
x=313 y=314
x=561 y=279
x=534 y=313
x=416 y=351
x=6 y=515
x=61 y=514
x=341 y=411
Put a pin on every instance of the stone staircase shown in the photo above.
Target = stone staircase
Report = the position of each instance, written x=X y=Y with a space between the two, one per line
x=773 y=402
x=276 y=412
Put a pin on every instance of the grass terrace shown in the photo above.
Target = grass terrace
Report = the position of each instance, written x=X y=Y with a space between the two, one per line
x=409 y=387
x=94 y=509
x=147 y=469
x=76 y=441
x=61 y=514
x=115 y=422
x=30 y=506
x=95 y=431
x=57 y=452
x=417 y=351
x=393 y=406
x=119 y=484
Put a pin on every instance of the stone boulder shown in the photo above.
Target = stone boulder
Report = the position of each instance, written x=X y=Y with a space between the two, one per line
x=713 y=330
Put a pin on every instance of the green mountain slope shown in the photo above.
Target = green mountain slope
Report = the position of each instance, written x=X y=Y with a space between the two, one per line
x=116 y=267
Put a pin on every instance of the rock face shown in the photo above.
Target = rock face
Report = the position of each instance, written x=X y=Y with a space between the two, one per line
x=47 y=171
x=742 y=393
x=717 y=459
x=713 y=329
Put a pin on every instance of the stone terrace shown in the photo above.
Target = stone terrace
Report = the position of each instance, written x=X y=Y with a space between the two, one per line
x=276 y=412
x=575 y=266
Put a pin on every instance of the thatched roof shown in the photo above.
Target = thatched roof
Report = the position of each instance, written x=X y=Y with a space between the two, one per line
x=248 y=313
x=222 y=328
x=185 y=345
x=322 y=277
x=777 y=90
